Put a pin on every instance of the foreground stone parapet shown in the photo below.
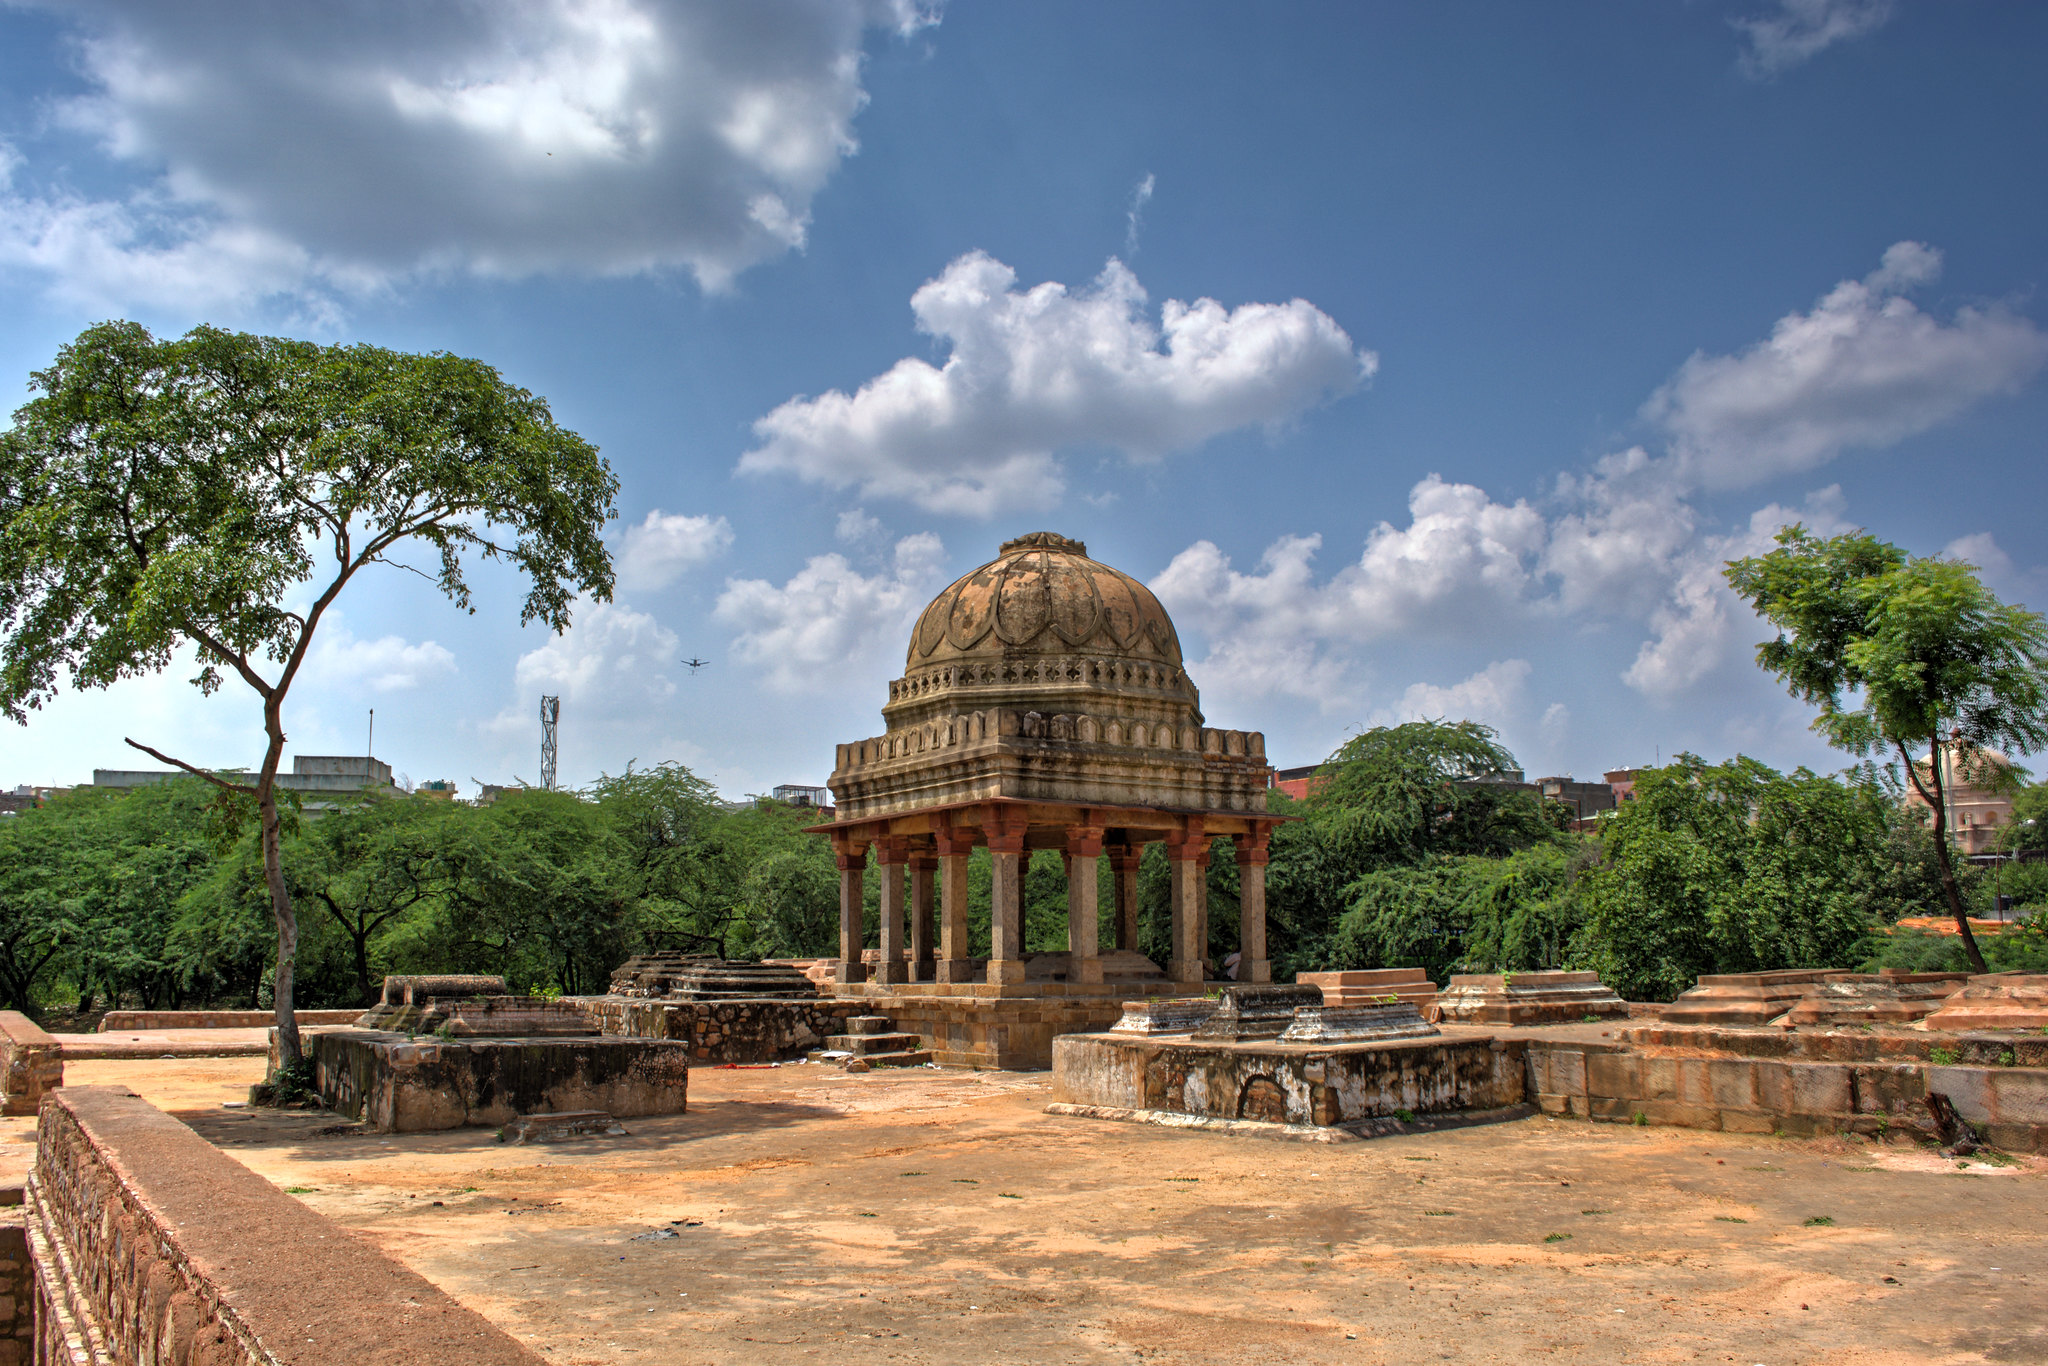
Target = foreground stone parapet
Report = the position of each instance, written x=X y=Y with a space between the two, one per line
x=1527 y=998
x=1363 y=987
x=1345 y=1090
x=146 y=1021
x=1861 y=999
x=398 y=1085
x=1257 y=1012
x=1358 y=1024
x=1173 y=1015
x=151 y=1246
x=2001 y=1000
x=31 y=1063
x=1745 y=998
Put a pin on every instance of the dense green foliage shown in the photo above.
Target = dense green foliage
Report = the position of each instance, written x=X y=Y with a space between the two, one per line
x=1903 y=657
x=139 y=899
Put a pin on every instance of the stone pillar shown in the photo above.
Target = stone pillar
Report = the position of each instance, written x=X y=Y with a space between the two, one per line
x=922 y=866
x=893 y=854
x=1187 y=852
x=853 y=863
x=1006 y=900
x=1252 y=855
x=954 y=963
x=1084 y=947
x=1123 y=865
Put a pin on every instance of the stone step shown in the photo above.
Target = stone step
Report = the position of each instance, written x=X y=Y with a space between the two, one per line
x=869 y=1024
x=908 y=1057
x=867 y=1045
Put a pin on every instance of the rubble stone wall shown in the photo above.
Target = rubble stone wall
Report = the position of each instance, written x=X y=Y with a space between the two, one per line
x=1761 y=1095
x=150 y=1246
x=728 y=1031
x=31 y=1063
x=17 y=1289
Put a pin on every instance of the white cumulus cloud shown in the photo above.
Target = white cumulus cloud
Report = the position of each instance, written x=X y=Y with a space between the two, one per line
x=1493 y=696
x=613 y=662
x=805 y=634
x=1034 y=371
x=1864 y=368
x=656 y=552
x=1795 y=31
x=313 y=149
x=386 y=664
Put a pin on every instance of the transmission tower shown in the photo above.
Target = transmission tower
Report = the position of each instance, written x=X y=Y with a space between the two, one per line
x=550 y=712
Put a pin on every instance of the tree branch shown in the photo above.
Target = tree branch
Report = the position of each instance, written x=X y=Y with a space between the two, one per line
x=218 y=782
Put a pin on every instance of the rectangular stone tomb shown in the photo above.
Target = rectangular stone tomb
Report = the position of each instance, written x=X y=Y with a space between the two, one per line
x=399 y=1085
x=1268 y=1088
x=1856 y=998
x=2000 y=1000
x=1172 y=1015
x=1356 y=1024
x=1527 y=998
x=1257 y=1011
x=560 y=1128
x=1744 y=998
x=1363 y=987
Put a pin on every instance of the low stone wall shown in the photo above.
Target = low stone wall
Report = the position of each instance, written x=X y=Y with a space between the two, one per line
x=17 y=1287
x=151 y=1246
x=31 y=1063
x=727 y=1031
x=1301 y=1085
x=399 y=1085
x=1788 y=1094
x=137 y=1021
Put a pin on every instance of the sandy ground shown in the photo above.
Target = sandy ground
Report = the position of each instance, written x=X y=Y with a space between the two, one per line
x=941 y=1216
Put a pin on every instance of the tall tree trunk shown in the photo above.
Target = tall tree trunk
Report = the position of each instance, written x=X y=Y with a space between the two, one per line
x=288 y=1050
x=1949 y=887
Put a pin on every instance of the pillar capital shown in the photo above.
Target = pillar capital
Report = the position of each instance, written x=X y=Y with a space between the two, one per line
x=954 y=840
x=850 y=857
x=1189 y=836
x=1084 y=841
x=1252 y=848
x=1124 y=858
x=1003 y=828
x=892 y=849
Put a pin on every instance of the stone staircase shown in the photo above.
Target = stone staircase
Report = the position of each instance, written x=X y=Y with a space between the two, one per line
x=873 y=1039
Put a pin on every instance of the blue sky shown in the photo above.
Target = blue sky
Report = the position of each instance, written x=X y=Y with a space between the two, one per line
x=1427 y=360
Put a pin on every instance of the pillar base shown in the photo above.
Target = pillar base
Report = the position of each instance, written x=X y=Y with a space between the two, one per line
x=1002 y=971
x=851 y=970
x=922 y=972
x=1257 y=970
x=1191 y=970
x=892 y=973
x=955 y=970
x=1084 y=969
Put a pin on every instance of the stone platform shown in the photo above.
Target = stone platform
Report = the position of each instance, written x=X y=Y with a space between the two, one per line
x=399 y=1085
x=2002 y=1000
x=693 y=977
x=1323 y=1092
x=1861 y=999
x=1527 y=998
x=1744 y=998
x=1363 y=987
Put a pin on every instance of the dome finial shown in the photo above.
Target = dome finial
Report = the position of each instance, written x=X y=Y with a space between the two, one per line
x=1044 y=540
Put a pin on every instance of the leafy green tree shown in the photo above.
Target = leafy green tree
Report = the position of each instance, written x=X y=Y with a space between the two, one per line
x=1903 y=656
x=367 y=866
x=156 y=495
x=40 y=857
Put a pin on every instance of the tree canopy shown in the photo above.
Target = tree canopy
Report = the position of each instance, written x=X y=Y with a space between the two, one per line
x=159 y=495
x=1904 y=657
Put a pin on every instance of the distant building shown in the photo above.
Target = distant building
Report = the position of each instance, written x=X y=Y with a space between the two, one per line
x=24 y=797
x=1974 y=812
x=1585 y=799
x=1295 y=781
x=1622 y=783
x=313 y=777
x=440 y=789
x=797 y=794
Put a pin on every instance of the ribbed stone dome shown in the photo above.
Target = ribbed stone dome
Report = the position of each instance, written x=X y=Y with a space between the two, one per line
x=1043 y=595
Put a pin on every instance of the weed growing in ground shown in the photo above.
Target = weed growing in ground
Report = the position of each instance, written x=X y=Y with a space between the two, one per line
x=1944 y=1057
x=1728 y=1219
x=1405 y=1116
x=1555 y=1237
x=298 y=1190
x=1820 y=1221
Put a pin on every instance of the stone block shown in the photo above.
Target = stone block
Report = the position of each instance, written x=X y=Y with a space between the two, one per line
x=2006 y=1000
x=1743 y=998
x=397 y=1085
x=1526 y=998
x=1168 y=1015
x=31 y=1064
x=1357 y=1024
x=1259 y=1011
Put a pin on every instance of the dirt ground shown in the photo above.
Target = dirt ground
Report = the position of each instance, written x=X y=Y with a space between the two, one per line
x=940 y=1216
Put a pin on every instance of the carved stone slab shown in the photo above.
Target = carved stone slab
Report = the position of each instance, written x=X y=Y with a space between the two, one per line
x=1258 y=1011
x=1177 y=1015
x=1358 y=1024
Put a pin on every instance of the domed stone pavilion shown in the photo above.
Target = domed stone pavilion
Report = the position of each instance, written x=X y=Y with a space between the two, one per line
x=1043 y=705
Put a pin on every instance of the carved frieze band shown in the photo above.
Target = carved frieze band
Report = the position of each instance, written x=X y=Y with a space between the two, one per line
x=1052 y=670
x=1115 y=732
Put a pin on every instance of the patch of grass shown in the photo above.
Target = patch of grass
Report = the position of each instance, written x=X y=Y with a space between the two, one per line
x=1596 y=1211
x=1592 y=1019
x=1005 y=1195
x=467 y=1190
x=1944 y=1057
x=1555 y=1237
x=1181 y=1178
x=298 y=1190
x=965 y=1181
x=1640 y=1120
x=1418 y=1159
x=1439 y=1213
x=1763 y=1169
x=911 y=1173
x=1405 y=1116
x=1307 y=1265
x=1820 y=1221
x=2008 y=1059
x=1728 y=1219
x=1863 y=1169
x=865 y=1215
